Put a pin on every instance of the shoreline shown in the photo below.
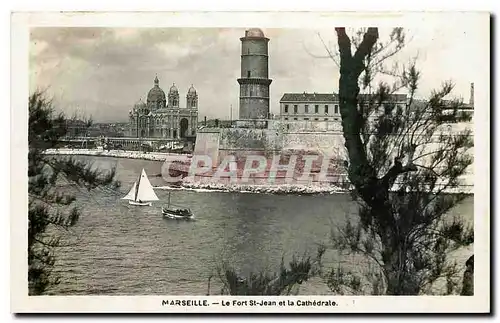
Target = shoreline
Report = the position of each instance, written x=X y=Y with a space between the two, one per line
x=129 y=154
x=285 y=189
x=277 y=189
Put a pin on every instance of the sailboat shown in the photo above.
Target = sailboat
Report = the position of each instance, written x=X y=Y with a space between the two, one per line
x=142 y=192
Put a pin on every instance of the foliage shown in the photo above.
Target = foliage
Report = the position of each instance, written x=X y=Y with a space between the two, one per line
x=403 y=159
x=267 y=283
x=51 y=206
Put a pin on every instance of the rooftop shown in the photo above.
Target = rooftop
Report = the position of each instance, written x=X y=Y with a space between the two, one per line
x=254 y=32
x=309 y=97
x=327 y=97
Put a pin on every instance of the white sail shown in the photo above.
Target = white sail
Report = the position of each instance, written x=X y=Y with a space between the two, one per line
x=131 y=194
x=145 y=193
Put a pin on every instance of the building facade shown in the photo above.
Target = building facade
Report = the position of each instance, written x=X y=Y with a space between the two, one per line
x=162 y=116
x=254 y=81
x=325 y=106
x=309 y=106
x=318 y=106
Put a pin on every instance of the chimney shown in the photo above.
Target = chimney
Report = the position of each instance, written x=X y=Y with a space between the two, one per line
x=471 y=99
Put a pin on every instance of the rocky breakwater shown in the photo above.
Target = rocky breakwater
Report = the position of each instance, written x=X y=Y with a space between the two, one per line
x=155 y=156
x=262 y=189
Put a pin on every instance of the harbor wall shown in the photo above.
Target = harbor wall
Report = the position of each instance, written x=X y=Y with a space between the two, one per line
x=283 y=139
x=130 y=154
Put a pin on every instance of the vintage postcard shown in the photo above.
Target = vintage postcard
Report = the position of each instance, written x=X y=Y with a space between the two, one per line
x=232 y=162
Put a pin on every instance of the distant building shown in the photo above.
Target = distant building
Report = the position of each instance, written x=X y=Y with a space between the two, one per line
x=325 y=106
x=162 y=116
x=309 y=106
x=76 y=128
x=318 y=106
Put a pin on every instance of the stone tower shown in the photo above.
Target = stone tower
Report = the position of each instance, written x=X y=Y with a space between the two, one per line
x=173 y=97
x=192 y=98
x=254 y=81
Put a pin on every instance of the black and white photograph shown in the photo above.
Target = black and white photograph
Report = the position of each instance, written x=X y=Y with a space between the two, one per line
x=251 y=162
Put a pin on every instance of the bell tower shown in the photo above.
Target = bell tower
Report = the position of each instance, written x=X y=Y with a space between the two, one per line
x=254 y=81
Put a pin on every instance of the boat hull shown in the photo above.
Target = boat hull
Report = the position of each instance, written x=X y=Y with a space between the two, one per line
x=139 y=203
x=175 y=216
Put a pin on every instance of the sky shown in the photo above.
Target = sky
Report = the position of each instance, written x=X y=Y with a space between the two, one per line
x=102 y=72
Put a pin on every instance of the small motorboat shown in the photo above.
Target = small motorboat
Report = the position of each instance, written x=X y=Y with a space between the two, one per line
x=180 y=213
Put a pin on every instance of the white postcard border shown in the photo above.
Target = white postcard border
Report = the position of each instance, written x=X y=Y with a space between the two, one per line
x=21 y=302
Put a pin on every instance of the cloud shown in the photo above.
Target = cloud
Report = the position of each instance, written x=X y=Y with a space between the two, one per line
x=104 y=71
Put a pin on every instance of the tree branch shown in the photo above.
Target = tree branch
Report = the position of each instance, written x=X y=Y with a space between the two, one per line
x=388 y=180
x=344 y=44
x=366 y=46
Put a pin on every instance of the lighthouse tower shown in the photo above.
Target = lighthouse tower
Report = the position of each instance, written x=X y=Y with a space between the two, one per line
x=254 y=81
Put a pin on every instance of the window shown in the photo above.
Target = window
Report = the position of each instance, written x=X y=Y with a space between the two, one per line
x=306 y=108
x=336 y=109
x=326 y=119
x=326 y=108
x=286 y=118
x=306 y=119
x=336 y=119
x=248 y=74
x=286 y=108
x=295 y=109
x=316 y=108
x=295 y=119
x=316 y=119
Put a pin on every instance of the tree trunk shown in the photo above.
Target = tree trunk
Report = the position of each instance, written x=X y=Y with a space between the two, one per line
x=361 y=174
x=468 y=282
x=374 y=191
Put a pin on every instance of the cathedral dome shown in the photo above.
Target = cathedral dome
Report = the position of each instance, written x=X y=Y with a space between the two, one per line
x=156 y=94
x=173 y=89
x=140 y=104
x=192 y=90
x=254 y=32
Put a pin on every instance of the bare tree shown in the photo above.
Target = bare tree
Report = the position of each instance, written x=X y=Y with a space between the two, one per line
x=404 y=158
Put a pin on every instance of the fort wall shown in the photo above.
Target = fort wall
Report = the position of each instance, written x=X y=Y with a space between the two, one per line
x=283 y=139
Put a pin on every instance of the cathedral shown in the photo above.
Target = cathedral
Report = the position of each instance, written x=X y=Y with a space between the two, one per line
x=161 y=115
